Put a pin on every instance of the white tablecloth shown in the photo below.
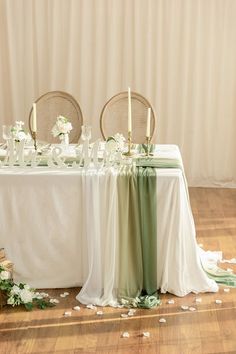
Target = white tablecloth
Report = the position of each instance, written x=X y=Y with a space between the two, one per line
x=58 y=226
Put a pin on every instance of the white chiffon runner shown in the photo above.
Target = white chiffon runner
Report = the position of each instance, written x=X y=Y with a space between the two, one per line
x=60 y=229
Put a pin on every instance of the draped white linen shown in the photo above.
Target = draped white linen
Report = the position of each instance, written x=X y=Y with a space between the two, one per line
x=60 y=229
x=180 y=54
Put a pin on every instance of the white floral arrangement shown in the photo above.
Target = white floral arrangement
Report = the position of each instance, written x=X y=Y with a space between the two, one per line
x=116 y=142
x=22 y=294
x=62 y=126
x=18 y=132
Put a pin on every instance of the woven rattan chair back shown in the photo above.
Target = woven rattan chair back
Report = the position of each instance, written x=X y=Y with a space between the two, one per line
x=114 y=117
x=51 y=105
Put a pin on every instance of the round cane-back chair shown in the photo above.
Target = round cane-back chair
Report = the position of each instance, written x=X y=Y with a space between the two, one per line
x=51 y=105
x=114 y=117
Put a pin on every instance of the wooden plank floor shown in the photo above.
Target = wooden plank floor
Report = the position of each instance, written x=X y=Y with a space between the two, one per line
x=210 y=329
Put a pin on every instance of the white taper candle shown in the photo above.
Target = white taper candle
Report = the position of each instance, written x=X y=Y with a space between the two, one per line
x=129 y=111
x=34 y=119
x=148 y=122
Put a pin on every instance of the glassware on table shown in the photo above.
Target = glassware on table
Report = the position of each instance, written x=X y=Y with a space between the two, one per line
x=7 y=132
x=86 y=132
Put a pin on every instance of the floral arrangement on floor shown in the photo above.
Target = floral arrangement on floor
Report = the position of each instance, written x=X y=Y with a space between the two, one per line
x=22 y=294
x=61 y=127
x=18 y=132
x=116 y=142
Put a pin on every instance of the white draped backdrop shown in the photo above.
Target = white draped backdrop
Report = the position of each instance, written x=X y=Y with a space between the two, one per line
x=180 y=54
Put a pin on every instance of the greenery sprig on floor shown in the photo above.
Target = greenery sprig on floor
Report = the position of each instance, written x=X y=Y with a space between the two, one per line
x=22 y=294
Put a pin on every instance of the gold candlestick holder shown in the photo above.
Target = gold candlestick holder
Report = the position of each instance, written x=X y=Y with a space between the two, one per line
x=34 y=136
x=129 y=152
x=148 y=146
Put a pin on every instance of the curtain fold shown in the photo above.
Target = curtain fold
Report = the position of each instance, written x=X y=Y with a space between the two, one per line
x=180 y=54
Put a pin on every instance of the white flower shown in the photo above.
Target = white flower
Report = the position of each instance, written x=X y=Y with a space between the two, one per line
x=15 y=290
x=26 y=296
x=11 y=300
x=19 y=123
x=62 y=126
x=120 y=139
x=27 y=287
x=21 y=135
x=4 y=275
x=111 y=145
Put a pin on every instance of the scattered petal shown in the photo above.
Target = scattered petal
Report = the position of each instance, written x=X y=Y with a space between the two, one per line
x=66 y=293
x=99 y=313
x=124 y=315
x=162 y=320
x=62 y=295
x=198 y=299
x=192 y=309
x=172 y=301
x=54 y=301
x=185 y=308
x=218 y=301
x=91 y=307
x=125 y=335
x=43 y=294
x=76 y=308
x=146 y=334
x=226 y=290
x=67 y=313
x=131 y=312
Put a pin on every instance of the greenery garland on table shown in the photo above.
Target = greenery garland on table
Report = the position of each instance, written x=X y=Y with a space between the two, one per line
x=22 y=294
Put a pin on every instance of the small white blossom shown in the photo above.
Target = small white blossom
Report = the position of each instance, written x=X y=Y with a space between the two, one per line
x=5 y=275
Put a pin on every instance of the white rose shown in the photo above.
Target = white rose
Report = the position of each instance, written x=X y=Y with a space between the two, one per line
x=26 y=296
x=111 y=146
x=15 y=290
x=4 y=275
x=11 y=300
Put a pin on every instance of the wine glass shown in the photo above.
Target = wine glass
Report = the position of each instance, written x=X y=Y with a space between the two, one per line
x=86 y=132
x=7 y=132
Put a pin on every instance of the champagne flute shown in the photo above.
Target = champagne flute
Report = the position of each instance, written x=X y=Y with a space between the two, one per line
x=7 y=133
x=86 y=132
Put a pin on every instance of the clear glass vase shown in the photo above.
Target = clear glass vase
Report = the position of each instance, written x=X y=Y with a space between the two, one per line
x=64 y=139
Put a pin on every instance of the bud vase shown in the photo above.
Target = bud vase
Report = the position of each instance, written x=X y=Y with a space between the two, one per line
x=64 y=139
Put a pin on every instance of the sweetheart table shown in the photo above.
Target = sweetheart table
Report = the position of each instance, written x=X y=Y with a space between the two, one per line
x=63 y=228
